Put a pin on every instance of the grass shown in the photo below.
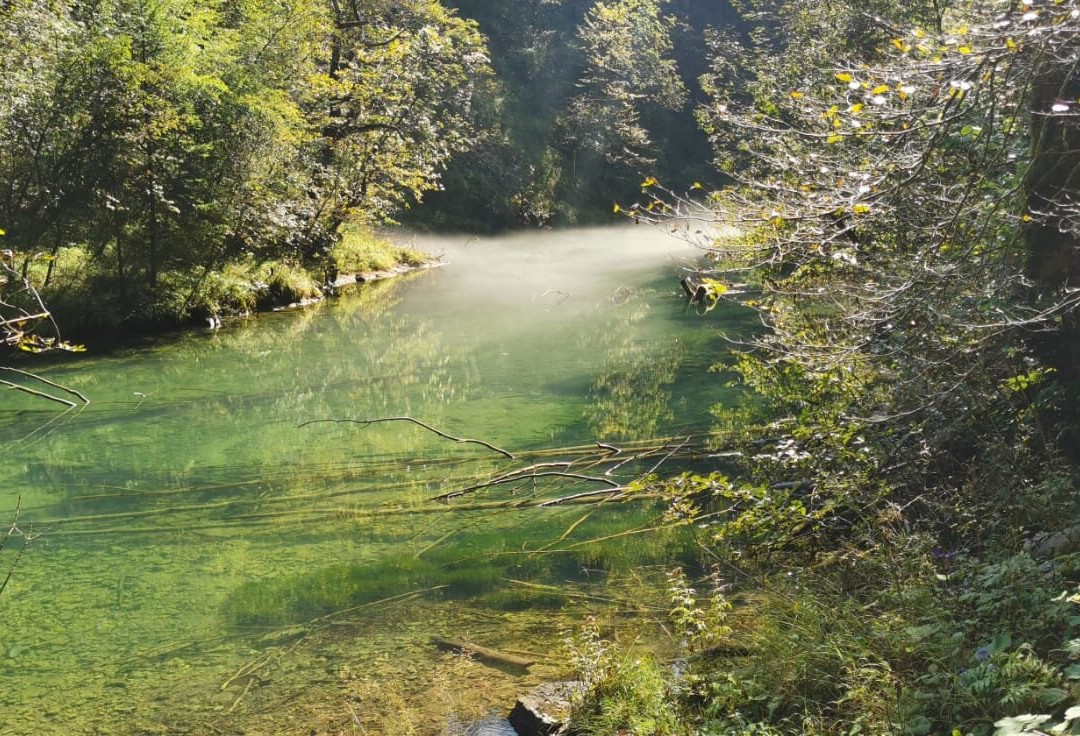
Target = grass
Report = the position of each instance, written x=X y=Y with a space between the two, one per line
x=362 y=251
x=87 y=296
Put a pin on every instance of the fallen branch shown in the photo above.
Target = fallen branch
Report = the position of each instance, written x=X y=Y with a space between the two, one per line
x=47 y=382
x=525 y=476
x=39 y=394
x=417 y=422
x=12 y=532
x=609 y=492
x=492 y=655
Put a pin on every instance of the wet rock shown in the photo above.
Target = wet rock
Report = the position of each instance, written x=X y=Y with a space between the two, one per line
x=544 y=710
x=490 y=725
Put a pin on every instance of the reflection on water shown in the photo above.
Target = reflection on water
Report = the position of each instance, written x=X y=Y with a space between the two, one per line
x=207 y=564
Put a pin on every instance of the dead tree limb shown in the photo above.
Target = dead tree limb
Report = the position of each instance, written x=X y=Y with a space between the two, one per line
x=417 y=422
x=14 y=531
x=523 y=476
x=609 y=492
x=492 y=655
x=47 y=382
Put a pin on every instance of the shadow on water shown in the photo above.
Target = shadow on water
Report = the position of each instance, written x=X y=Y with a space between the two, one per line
x=208 y=564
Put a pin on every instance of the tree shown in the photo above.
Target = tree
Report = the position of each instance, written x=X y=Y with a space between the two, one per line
x=166 y=139
x=628 y=66
x=913 y=227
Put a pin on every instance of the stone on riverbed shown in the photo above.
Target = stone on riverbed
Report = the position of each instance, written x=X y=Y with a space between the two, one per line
x=544 y=710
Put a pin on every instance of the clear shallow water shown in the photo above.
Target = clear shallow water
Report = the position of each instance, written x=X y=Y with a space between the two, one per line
x=207 y=564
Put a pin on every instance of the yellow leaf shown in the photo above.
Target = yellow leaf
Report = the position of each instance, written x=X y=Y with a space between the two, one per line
x=795 y=94
x=900 y=45
x=856 y=108
x=698 y=185
x=844 y=77
x=861 y=208
x=1010 y=44
x=834 y=138
x=880 y=89
x=964 y=50
x=2 y=232
x=1027 y=218
x=616 y=209
x=649 y=182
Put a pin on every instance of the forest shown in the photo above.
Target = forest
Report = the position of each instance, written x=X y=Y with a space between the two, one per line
x=884 y=538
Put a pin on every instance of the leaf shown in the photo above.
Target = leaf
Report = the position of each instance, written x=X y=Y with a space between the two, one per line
x=650 y=181
x=1051 y=696
x=861 y=208
x=795 y=94
x=880 y=89
x=2 y=233
x=698 y=185
x=834 y=138
x=844 y=77
x=1010 y=44
x=616 y=208
x=1018 y=725
x=965 y=50
x=856 y=108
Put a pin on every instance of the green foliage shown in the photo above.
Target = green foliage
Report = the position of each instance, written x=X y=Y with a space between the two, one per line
x=588 y=92
x=627 y=694
x=179 y=137
x=360 y=250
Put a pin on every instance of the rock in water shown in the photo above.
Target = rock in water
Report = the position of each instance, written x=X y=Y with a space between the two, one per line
x=493 y=725
x=544 y=710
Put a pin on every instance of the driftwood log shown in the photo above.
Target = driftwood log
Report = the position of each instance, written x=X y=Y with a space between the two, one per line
x=491 y=655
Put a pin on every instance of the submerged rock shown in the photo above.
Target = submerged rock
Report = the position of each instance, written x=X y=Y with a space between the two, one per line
x=544 y=710
x=491 y=725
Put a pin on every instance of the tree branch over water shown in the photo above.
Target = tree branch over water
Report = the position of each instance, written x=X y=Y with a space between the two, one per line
x=417 y=422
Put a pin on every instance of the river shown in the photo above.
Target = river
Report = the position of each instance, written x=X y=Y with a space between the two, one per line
x=212 y=556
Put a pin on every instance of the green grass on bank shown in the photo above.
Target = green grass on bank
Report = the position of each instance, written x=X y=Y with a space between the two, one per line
x=87 y=295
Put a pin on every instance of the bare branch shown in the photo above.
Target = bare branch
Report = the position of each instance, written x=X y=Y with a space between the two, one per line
x=417 y=422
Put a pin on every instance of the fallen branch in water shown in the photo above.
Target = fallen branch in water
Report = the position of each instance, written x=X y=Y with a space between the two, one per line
x=492 y=655
x=39 y=394
x=47 y=382
x=14 y=531
x=609 y=492
x=417 y=422
x=512 y=478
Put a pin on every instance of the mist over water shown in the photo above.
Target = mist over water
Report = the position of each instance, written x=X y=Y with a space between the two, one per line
x=198 y=545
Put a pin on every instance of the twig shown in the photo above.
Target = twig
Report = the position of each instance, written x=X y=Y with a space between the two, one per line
x=609 y=492
x=47 y=382
x=665 y=458
x=515 y=478
x=379 y=420
x=39 y=394
x=13 y=531
x=241 y=695
x=356 y=719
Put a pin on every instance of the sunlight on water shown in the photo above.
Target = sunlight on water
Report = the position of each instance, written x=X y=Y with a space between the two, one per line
x=214 y=557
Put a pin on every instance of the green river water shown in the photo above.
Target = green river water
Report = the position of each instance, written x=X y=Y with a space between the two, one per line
x=204 y=564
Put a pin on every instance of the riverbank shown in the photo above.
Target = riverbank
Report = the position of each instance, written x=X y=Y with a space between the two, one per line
x=93 y=301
